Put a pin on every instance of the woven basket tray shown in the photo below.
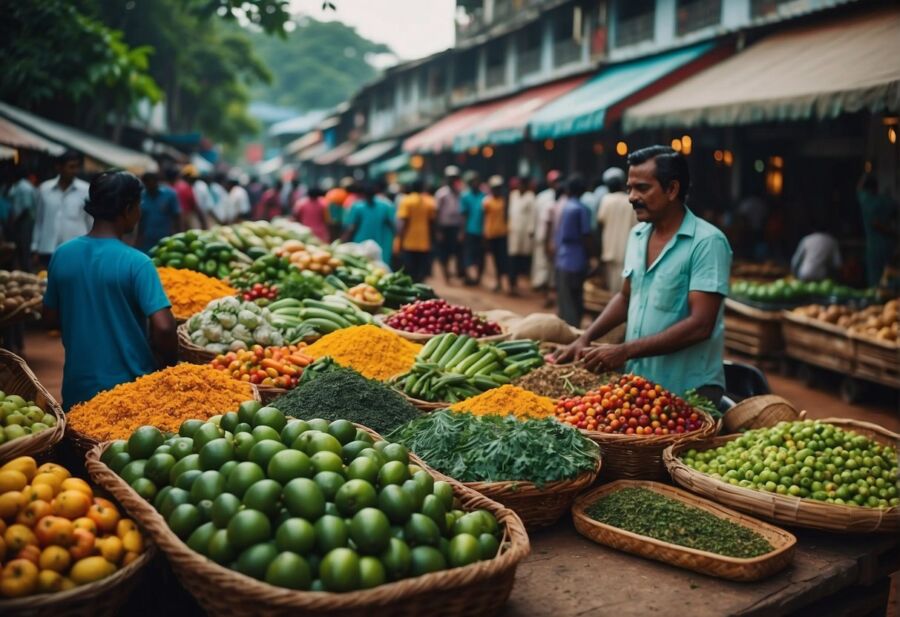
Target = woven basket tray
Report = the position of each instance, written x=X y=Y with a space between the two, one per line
x=475 y=590
x=759 y=412
x=712 y=564
x=17 y=378
x=537 y=507
x=83 y=443
x=188 y=352
x=784 y=508
x=640 y=457
x=416 y=337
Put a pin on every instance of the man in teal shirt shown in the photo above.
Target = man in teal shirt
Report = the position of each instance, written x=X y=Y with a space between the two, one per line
x=676 y=278
x=371 y=218
x=107 y=298
x=472 y=211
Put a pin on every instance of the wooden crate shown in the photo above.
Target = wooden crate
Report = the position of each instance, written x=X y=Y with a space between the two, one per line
x=595 y=296
x=818 y=343
x=752 y=331
x=877 y=361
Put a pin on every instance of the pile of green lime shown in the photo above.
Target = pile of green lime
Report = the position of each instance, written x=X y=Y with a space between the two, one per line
x=302 y=504
x=21 y=418
x=807 y=459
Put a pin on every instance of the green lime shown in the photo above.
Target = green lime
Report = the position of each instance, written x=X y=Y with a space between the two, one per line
x=396 y=452
x=242 y=477
x=229 y=421
x=318 y=424
x=327 y=461
x=145 y=488
x=118 y=461
x=351 y=450
x=247 y=410
x=209 y=485
x=464 y=549
x=363 y=468
x=175 y=498
x=392 y=472
x=187 y=478
x=224 y=507
x=415 y=492
x=263 y=433
x=296 y=535
x=119 y=445
x=396 y=559
x=182 y=447
x=329 y=482
x=188 y=463
x=371 y=573
x=199 y=539
x=227 y=468
x=331 y=533
x=242 y=427
x=289 y=464
x=370 y=531
x=220 y=548
x=362 y=435
x=161 y=494
x=421 y=530
x=289 y=570
x=184 y=519
x=158 y=468
x=374 y=454
x=133 y=470
x=425 y=481
x=264 y=496
x=425 y=559
x=355 y=495
x=488 y=545
x=264 y=450
x=144 y=441
x=243 y=443
x=395 y=503
x=249 y=527
x=433 y=508
x=292 y=430
x=254 y=561
x=343 y=431
x=205 y=434
x=303 y=497
x=339 y=570
x=271 y=417
x=444 y=491
x=471 y=523
x=216 y=453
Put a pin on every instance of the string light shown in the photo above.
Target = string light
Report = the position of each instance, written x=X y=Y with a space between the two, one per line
x=718 y=156
x=487 y=152
x=728 y=158
x=621 y=148
x=676 y=145
x=892 y=135
x=416 y=161
x=548 y=144
x=687 y=144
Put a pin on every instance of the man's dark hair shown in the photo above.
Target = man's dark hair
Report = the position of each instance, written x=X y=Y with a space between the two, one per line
x=416 y=186
x=150 y=176
x=171 y=174
x=575 y=185
x=670 y=166
x=69 y=155
x=314 y=192
x=111 y=193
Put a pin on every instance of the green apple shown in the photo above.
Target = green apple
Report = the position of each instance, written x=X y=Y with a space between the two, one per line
x=14 y=432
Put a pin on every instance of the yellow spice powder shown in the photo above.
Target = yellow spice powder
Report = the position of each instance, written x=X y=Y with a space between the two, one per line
x=372 y=351
x=507 y=400
x=190 y=292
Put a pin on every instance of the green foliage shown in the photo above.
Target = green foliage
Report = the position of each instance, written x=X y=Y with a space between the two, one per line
x=270 y=15
x=316 y=65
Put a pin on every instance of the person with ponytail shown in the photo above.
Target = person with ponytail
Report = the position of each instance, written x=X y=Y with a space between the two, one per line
x=106 y=297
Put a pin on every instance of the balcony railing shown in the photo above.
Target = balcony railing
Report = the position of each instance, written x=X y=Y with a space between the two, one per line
x=495 y=76
x=565 y=52
x=528 y=62
x=635 y=30
x=697 y=14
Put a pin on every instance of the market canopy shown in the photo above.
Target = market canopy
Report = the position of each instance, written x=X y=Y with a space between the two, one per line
x=440 y=135
x=507 y=124
x=336 y=154
x=15 y=136
x=818 y=71
x=373 y=151
x=391 y=165
x=302 y=143
x=584 y=109
x=96 y=148
x=308 y=154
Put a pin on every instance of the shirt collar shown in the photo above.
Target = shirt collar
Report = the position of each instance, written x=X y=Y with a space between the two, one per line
x=687 y=228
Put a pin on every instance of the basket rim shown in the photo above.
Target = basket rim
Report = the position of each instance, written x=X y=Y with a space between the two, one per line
x=33 y=444
x=581 y=504
x=707 y=428
x=515 y=542
x=673 y=464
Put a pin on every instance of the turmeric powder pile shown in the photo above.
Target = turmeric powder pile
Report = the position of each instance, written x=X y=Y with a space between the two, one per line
x=190 y=292
x=374 y=352
x=163 y=399
x=508 y=400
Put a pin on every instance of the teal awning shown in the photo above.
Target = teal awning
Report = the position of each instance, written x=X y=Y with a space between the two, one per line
x=584 y=109
x=395 y=163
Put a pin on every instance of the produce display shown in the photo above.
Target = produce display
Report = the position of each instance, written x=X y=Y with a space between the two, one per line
x=57 y=535
x=275 y=367
x=20 y=418
x=398 y=289
x=632 y=405
x=807 y=459
x=791 y=291
x=365 y=294
x=262 y=295
x=338 y=392
x=372 y=351
x=648 y=513
x=259 y=237
x=18 y=288
x=190 y=292
x=437 y=317
x=199 y=251
x=164 y=399
x=307 y=257
x=877 y=322
x=453 y=368
x=228 y=324
x=316 y=317
x=494 y=449
x=562 y=380
x=265 y=269
x=507 y=400
x=303 y=505
x=752 y=270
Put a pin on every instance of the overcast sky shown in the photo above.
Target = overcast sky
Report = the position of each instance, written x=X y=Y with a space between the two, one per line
x=412 y=28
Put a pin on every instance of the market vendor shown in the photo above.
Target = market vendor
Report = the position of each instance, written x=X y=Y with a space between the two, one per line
x=676 y=279
x=102 y=294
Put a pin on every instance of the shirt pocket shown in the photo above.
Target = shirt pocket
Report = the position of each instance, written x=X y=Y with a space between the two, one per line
x=667 y=293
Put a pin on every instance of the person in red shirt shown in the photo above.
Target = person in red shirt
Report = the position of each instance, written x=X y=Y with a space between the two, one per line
x=269 y=205
x=312 y=211
x=192 y=217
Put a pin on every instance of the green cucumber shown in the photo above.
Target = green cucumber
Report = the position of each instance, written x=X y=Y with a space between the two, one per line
x=473 y=359
x=457 y=345
x=467 y=350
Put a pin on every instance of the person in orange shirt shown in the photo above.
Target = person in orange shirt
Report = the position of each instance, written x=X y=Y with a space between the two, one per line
x=415 y=216
x=495 y=231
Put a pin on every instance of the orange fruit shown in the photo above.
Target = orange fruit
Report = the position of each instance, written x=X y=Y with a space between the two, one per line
x=52 y=479
x=55 y=558
x=111 y=548
x=49 y=581
x=18 y=537
x=25 y=464
x=72 y=503
x=10 y=503
x=133 y=542
x=85 y=523
x=19 y=578
x=12 y=480
x=55 y=530
x=124 y=526
x=77 y=484
x=44 y=492
x=33 y=512
x=91 y=569
x=53 y=468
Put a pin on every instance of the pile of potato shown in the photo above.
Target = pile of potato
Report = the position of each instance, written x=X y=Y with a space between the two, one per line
x=18 y=288
x=877 y=321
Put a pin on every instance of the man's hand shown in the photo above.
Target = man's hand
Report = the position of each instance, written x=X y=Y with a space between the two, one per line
x=569 y=353
x=604 y=357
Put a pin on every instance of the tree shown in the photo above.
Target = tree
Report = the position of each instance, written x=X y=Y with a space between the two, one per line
x=316 y=65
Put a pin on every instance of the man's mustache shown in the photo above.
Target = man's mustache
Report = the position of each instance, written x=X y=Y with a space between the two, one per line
x=638 y=205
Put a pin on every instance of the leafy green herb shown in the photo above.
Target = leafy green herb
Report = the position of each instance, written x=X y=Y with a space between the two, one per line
x=649 y=513
x=698 y=401
x=303 y=285
x=494 y=449
x=342 y=393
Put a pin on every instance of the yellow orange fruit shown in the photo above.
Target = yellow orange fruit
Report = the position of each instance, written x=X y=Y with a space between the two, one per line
x=83 y=544
x=18 y=537
x=124 y=526
x=111 y=548
x=59 y=470
x=104 y=514
x=44 y=492
x=91 y=569
x=49 y=581
x=12 y=480
x=51 y=479
x=33 y=512
x=19 y=578
x=10 y=503
x=77 y=484
x=71 y=503
x=129 y=557
x=25 y=464
x=133 y=541
x=85 y=523
x=55 y=558
x=54 y=530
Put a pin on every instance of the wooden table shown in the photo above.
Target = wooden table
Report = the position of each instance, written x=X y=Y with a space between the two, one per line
x=568 y=575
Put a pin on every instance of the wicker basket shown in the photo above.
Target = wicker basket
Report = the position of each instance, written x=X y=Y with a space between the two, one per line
x=17 y=378
x=759 y=412
x=188 y=352
x=268 y=394
x=537 y=507
x=416 y=337
x=712 y=564
x=369 y=307
x=420 y=404
x=104 y=598
x=82 y=444
x=784 y=508
x=640 y=457
x=475 y=590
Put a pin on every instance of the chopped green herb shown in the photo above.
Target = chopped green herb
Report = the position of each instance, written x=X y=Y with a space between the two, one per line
x=649 y=513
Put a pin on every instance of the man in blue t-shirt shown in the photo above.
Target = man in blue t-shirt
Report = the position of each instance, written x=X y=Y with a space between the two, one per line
x=160 y=212
x=102 y=293
x=572 y=243
x=472 y=210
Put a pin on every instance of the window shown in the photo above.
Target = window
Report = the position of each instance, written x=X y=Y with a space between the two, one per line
x=465 y=72
x=567 y=33
x=529 y=50
x=634 y=22
x=696 y=14
x=495 y=59
x=764 y=8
